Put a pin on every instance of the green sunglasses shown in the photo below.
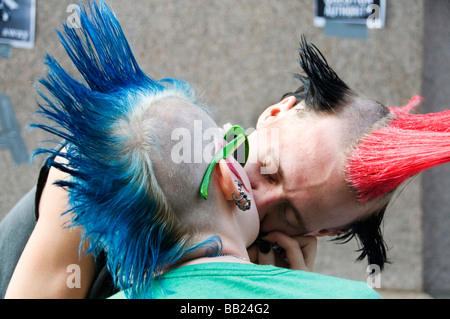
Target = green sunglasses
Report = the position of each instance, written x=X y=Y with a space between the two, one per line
x=224 y=153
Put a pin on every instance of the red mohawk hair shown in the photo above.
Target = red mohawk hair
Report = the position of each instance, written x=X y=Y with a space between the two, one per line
x=409 y=144
x=437 y=122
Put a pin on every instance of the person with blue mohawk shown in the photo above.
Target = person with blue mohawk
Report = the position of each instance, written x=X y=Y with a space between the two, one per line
x=125 y=190
x=169 y=224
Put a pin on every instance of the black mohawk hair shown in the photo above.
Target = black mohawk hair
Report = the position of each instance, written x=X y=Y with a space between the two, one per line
x=322 y=89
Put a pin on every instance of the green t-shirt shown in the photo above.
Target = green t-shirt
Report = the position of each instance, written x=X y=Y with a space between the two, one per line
x=251 y=281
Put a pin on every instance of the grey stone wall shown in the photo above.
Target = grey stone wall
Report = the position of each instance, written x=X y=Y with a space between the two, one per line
x=436 y=181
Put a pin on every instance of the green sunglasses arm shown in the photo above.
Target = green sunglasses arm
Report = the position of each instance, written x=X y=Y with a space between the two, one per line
x=239 y=131
x=207 y=179
x=226 y=151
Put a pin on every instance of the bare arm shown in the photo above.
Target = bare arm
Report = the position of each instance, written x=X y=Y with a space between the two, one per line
x=43 y=268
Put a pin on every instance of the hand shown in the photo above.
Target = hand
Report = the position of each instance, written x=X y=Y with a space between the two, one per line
x=278 y=249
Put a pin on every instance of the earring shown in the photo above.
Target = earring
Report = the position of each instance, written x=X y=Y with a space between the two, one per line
x=247 y=202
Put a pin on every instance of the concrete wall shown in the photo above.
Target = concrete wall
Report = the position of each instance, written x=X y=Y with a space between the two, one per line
x=436 y=181
x=240 y=55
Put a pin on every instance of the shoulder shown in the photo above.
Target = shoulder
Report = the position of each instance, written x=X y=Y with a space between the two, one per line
x=329 y=287
x=119 y=295
x=234 y=280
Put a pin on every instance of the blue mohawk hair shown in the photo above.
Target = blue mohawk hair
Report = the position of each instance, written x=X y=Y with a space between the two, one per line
x=113 y=192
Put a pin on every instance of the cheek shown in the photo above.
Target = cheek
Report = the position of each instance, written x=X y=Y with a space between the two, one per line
x=262 y=198
x=272 y=222
x=267 y=223
x=252 y=172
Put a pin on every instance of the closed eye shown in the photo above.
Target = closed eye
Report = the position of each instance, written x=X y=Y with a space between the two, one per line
x=289 y=216
x=271 y=174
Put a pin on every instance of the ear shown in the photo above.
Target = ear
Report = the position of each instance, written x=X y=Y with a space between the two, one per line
x=226 y=180
x=275 y=111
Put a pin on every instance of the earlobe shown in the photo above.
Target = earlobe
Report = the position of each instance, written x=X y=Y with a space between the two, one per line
x=232 y=188
x=275 y=111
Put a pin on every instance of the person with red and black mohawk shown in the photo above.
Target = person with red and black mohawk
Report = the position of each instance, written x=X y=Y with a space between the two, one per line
x=339 y=158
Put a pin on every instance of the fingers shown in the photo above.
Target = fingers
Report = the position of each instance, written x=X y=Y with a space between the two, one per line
x=266 y=255
x=308 y=245
x=291 y=247
x=261 y=253
x=300 y=252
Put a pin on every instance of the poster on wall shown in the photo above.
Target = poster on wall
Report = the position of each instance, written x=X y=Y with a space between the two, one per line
x=364 y=12
x=17 y=23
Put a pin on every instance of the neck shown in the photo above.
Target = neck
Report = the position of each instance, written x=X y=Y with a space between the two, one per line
x=234 y=236
x=225 y=258
x=232 y=251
